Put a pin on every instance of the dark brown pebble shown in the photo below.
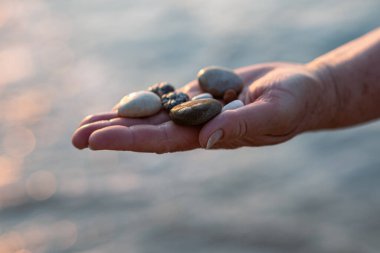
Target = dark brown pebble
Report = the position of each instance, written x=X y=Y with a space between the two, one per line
x=195 y=112
x=229 y=96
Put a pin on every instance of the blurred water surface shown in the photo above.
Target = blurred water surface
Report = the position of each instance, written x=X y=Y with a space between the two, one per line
x=62 y=60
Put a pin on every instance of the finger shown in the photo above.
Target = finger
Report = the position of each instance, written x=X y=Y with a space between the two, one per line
x=82 y=134
x=163 y=138
x=99 y=117
x=153 y=120
x=248 y=125
x=253 y=72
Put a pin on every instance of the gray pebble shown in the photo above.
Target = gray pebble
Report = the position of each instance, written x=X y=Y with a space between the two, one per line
x=217 y=80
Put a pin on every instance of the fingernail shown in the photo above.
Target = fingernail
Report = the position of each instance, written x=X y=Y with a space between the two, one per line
x=214 y=138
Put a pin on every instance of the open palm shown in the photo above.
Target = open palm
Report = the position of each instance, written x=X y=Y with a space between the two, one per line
x=280 y=101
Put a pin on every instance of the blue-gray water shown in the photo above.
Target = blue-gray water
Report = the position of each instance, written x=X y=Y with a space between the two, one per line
x=62 y=60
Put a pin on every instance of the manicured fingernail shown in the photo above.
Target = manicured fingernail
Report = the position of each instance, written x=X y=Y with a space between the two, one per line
x=214 y=138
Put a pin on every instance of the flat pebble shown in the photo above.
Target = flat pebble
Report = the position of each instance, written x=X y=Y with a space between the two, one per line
x=233 y=105
x=217 y=80
x=202 y=96
x=195 y=112
x=139 y=104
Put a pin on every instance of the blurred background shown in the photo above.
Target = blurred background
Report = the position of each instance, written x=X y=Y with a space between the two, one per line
x=62 y=60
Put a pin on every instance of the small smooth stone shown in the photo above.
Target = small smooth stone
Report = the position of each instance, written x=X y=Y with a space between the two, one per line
x=195 y=112
x=161 y=88
x=172 y=99
x=202 y=96
x=233 y=105
x=229 y=95
x=217 y=80
x=139 y=104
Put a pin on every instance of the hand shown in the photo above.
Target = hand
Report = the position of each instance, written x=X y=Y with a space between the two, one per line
x=280 y=102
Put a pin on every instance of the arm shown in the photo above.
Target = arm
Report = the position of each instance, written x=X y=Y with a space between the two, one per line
x=351 y=76
x=282 y=100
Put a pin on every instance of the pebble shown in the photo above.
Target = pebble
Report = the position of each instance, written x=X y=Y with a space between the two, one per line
x=217 y=80
x=233 y=105
x=161 y=88
x=229 y=95
x=139 y=104
x=195 y=112
x=202 y=96
x=172 y=99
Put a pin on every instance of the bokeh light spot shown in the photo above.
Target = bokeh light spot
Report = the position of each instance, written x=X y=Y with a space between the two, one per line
x=27 y=107
x=16 y=64
x=19 y=141
x=41 y=185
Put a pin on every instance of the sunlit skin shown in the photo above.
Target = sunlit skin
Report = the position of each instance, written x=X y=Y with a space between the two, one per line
x=282 y=100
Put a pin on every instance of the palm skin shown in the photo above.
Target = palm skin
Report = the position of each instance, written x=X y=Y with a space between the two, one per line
x=281 y=101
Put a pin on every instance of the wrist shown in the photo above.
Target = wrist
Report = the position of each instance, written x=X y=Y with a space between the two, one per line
x=324 y=113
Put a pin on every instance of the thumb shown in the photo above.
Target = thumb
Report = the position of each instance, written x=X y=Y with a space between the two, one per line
x=245 y=126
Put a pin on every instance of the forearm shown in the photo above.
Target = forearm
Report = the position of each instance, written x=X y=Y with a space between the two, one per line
x=350 y=77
